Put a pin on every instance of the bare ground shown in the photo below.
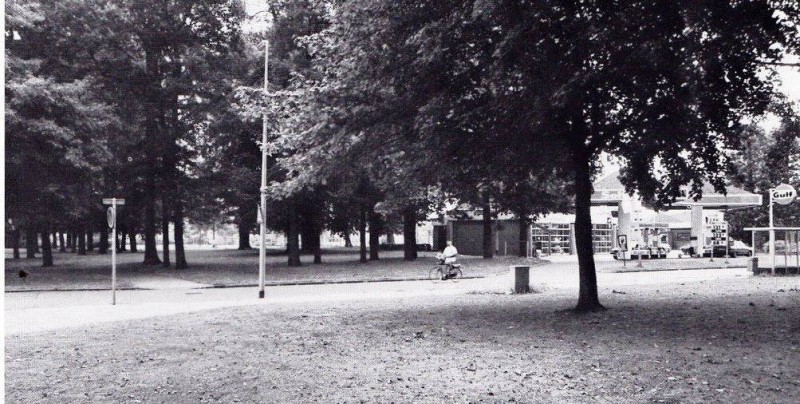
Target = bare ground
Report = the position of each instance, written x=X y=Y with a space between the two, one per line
x=733 y=340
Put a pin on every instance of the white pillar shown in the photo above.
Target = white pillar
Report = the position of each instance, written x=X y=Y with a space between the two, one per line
x=624 y=219
x=697 y=237
x=572 y=244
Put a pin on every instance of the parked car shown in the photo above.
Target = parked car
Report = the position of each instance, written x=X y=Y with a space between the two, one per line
x=739 y=249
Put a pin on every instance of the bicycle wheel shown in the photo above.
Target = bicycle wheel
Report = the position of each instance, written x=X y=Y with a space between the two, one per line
x=456 y=275
x=435 y=274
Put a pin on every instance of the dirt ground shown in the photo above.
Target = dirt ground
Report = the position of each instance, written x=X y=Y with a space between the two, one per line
x=236 y=268
x=732 y=340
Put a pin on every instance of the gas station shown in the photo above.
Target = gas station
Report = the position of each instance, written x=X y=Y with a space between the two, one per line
x=706 y=215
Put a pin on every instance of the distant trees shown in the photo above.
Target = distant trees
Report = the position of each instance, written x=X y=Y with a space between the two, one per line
x=113 y=84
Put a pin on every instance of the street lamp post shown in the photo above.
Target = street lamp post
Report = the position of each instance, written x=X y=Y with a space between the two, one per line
x=262 y=252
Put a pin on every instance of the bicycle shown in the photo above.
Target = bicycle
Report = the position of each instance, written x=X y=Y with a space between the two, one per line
x=442 y=272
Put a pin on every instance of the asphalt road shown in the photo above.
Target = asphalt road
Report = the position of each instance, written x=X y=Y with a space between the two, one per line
x=41 y=311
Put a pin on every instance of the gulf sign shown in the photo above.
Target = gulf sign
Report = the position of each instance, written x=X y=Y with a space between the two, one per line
x=783 y=194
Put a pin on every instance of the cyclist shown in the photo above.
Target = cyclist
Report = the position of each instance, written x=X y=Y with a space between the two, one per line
x=449 y=256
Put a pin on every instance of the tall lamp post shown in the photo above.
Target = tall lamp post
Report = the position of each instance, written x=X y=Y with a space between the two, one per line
x=262 y=248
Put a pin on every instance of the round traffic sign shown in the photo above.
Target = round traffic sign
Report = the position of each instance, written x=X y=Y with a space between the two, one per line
x=111 y=216
x=783 y=194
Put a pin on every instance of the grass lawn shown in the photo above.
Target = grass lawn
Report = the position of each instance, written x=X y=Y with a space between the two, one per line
x=236 y=268
x=735 y=340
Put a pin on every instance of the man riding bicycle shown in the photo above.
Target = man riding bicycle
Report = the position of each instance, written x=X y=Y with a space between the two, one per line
x=448 y=258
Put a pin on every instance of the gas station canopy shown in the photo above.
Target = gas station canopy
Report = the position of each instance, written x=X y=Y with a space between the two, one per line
x=733 y=198
x=609 y=191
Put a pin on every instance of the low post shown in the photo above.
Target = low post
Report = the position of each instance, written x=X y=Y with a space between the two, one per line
x=752 y=265
x=521 y=274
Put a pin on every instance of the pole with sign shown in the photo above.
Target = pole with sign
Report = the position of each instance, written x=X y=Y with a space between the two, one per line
x=783 y=194
x=111 y=215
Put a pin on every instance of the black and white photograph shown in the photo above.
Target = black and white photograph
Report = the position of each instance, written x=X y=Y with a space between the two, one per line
x=401 y=201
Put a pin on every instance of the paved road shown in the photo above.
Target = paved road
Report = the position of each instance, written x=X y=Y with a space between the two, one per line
x=41 y=311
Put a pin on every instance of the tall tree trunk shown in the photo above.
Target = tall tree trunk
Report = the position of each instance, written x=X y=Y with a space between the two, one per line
x=81 y=241
x=71 y=242
x=362 y=234
x=390 y=236
x=90 y=240
x=180 y=253
x=307 y=230
x=292 y=235
x=121 y=230
x=347 y=242
x=523 y=235
x=30 y=242
x=245 y=226
x=55 y=241
x=15 y=242
x=317 y=240
x=121 y=234
x=117 y=241
x=587 y=296
x=132 y=237
x=410 y=234
x=165 y=262
x=47 y=250
x=374 y=233
x=488 y=247
x=102 y=244
x=61 y=246
x=153 y=131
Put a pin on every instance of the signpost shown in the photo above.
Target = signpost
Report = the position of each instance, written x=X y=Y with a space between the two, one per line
x=111 y=215
x=783 y=194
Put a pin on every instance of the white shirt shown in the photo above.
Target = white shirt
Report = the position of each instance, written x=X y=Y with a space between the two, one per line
x=450 y=251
